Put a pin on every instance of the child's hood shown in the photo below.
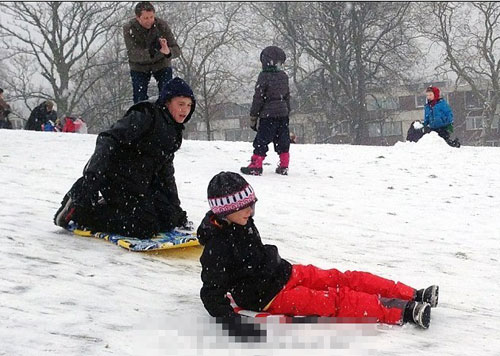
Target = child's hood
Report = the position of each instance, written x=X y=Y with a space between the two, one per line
x=177 y=87
x=208 y=228
x=272 y=56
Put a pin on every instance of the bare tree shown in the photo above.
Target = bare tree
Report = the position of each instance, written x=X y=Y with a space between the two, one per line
x=469 y=33
x=210 y=36
x=110 y=92
x=63 y=39
x=354 y=47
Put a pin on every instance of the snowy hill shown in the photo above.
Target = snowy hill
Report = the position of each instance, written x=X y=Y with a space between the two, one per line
x=420 y=213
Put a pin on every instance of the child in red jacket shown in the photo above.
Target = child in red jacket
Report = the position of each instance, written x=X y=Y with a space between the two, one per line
x=235 y=260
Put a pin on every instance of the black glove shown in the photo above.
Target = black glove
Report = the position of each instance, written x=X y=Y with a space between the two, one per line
x=426 y=129
x=183 y=222
x=253 y=123
x=244 y=330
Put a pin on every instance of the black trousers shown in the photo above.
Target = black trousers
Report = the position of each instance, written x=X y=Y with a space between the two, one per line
x=414 y=135
x=140 y=82
x=273 y=130
x=126 y=214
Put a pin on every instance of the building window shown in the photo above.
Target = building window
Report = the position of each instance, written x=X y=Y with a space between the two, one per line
x=420 y=101
x=341 y=128
x=374 y=129
x=234 y=111
x=389 y=128
x=382 y=103
x=239 y=135
x=392 y=128
x=472 y=100
x=493 y=143
x=474 y=123
x=323 y=131
x=494 y=124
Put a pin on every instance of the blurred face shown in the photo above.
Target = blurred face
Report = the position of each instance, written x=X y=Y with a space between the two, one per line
x=179 y=107
x=147 y=19
x=241 y=216
x=430 y=95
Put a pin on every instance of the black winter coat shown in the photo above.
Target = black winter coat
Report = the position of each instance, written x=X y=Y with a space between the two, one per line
x=135 y=156
x=40 y=116
x=272 y=95
x=272 y=92
x=235 y=260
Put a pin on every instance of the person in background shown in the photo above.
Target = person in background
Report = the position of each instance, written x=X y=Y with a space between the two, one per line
x=40 y=116
x=80 y=126
x=151 y=46
x=438 y=116
x=4 y=113
x=269 y=112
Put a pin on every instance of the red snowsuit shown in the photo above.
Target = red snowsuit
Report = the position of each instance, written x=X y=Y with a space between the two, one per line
x=69 y=125
x=314 y=291
x=236 y=261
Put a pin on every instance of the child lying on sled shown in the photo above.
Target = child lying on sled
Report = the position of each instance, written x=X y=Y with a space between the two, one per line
x=235 y=260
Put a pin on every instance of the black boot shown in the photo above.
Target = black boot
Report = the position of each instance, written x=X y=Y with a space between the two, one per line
x=65 y=212
x=282 y=170
x=417 y=313
x=251 y=171
x=428 y=295
x=454 y=143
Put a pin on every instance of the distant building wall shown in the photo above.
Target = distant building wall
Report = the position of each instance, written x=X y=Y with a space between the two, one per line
x=389 y=118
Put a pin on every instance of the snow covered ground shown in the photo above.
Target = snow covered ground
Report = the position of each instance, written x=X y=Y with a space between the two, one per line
x=421 y=213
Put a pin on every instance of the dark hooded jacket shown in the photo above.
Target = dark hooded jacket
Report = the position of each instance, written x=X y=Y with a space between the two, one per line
x=135 y=156
x=235 y=260
x=272 y=92
x=143 y=47
x=40 y=116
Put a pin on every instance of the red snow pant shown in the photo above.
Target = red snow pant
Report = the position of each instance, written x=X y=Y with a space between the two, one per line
x=314 y=291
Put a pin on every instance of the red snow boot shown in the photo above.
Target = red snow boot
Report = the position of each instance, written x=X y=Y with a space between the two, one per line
x=283 y=165
x=255 y=166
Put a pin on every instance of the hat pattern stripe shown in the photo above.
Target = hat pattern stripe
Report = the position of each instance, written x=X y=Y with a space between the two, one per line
x=233 y=202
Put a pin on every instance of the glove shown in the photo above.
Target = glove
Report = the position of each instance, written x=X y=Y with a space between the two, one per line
x=427 y=129
x=181 y=221
x=243 y=330
x=253 y=123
